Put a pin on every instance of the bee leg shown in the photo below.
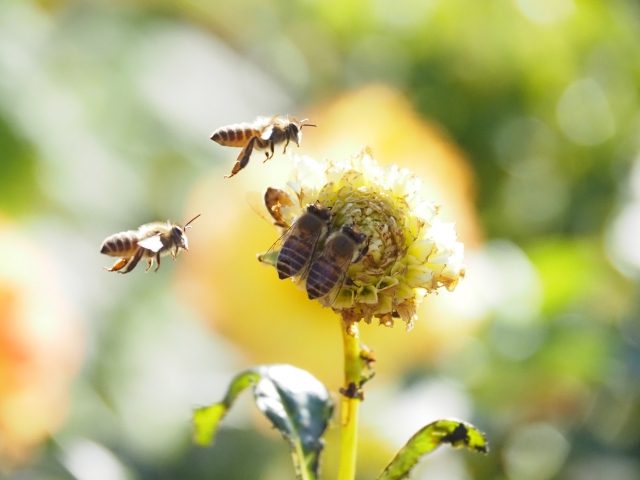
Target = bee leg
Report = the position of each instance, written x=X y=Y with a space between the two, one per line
x=364 y=251
x=150 y=265
x=158 y=262
x=285 y=146
x=118 y=265
x=134 y=261
x=243 y=158
x=267 y=152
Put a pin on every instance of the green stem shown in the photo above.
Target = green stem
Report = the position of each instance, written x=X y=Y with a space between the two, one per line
x=349 y=406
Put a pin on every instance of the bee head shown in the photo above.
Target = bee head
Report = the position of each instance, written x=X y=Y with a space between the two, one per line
x=180 y=236
x=359 y=238
x=355 y=234
x=293 y=131
x=319 y=210
x=296 y=129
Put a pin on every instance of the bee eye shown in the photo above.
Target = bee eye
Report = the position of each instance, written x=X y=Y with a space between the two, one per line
x=177 y=231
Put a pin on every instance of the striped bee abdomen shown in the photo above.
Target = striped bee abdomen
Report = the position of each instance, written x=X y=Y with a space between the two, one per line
x=234 y=135
x=121 y=244
x=323 y=276
x=293 y=257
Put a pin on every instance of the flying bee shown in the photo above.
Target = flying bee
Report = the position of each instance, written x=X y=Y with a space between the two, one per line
x=153 y=240
x=274 y=200
x=295 y=249
x=269 y=206
x=329 y=270
x=263 y=134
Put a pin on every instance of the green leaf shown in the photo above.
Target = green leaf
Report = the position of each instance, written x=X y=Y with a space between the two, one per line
x=456 y=433
x=295 y=402
x=206 y=419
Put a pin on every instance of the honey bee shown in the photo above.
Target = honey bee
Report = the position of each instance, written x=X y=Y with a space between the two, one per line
x=274 y=200
x=269 y=206
x=329 y=270
x=295 y=249
x=263 y=134
x=153 y=240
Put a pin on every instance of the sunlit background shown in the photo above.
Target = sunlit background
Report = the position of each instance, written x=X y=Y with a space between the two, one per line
x=522 y=117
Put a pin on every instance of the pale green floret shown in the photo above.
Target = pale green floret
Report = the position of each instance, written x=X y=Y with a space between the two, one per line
x=344 y=300
x=367 y=294
x=418 y=275
x=421 y=249
x=386 y=283
x=404 y=292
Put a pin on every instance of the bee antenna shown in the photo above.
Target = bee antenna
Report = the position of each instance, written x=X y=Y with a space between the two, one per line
x=187 y=224
x=302 y=124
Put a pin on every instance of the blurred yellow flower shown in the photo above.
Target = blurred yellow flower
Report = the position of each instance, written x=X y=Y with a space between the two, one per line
x=409 y=252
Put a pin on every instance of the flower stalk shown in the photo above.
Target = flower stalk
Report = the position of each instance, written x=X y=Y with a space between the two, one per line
x=350 y=403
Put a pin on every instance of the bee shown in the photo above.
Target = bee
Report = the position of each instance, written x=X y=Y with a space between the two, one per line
x=274 y=200
x=328 y=271
x=263 y=134
x=153 y=240
x=296 y=248
x=269 y=206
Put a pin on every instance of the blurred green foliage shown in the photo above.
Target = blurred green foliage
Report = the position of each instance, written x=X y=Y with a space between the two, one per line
x=18 y=187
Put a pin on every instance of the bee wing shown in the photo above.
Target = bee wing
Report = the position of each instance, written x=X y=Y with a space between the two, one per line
x=290 y=265
x=270 y=257
x=152 y=243
x=266 y=133
x=331 y=297
x=255 y=201
x=319 y=280
x=304 y=273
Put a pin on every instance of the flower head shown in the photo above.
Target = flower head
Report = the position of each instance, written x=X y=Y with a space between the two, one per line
x=407 y=253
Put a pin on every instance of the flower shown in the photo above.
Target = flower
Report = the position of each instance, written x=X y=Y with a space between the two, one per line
x=408 y=253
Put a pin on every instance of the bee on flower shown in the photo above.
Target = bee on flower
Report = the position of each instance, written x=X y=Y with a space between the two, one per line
x=393 y=248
